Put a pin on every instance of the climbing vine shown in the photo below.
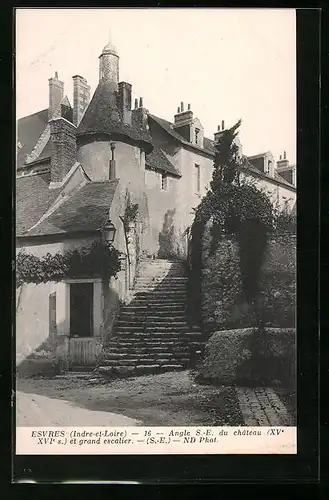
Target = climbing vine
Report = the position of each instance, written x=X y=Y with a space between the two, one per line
x=99 y=260
x=130 y=215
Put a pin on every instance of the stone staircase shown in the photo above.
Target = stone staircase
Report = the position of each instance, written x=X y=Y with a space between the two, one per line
x=153 y=333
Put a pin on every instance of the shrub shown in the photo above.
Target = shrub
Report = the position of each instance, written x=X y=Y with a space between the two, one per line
x=99 y=260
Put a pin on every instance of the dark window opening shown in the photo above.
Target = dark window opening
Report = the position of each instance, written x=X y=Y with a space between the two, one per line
x=164 y=182
x=52 y=316
x=197 y=131
x=81 y=309
x=197 y=178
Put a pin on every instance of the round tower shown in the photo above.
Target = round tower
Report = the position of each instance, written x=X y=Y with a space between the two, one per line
x=109 y=63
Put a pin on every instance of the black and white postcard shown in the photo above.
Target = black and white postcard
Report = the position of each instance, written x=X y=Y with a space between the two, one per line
x=156 y=195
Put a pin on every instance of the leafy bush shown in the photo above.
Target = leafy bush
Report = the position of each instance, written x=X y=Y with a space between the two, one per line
x=223 y=303
x=99 y=260
x=232 y=227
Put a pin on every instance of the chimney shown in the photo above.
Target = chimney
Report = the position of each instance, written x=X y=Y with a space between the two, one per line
x=124 y=96
x=217 y=134
x=81 y=98
x=112 y=173
x=63 y=148
x=140 y=116
x=282 y=163
x=183 y=117
x=189 y=107
x=136 y=103
x=56 y=94
x=223 y=125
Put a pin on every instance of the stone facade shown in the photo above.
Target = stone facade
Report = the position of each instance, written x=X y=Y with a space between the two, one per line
x=223 y=305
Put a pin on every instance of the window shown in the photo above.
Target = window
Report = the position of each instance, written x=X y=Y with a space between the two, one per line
x=52 y=315
x=81 y=309
x=164 y=182
x=197 y=131
x=197 y=178
x=269 y=164
x=148 y=176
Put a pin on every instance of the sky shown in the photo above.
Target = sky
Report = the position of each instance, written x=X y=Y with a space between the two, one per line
x=229 y=64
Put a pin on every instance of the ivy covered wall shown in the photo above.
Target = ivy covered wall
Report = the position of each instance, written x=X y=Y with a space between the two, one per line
x=222 y=303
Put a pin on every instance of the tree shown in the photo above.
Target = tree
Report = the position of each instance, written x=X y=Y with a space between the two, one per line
x=238 y=208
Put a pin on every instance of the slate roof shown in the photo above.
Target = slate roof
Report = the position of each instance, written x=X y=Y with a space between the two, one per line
x=158 y=160
x=251 y=168
x=168 y=127
x=279 y=178
x=33 y=198
x=209 y=147
x=259 y=155
x=29 y=129
x=86 y=210
x=294 y=210
x=102 y=117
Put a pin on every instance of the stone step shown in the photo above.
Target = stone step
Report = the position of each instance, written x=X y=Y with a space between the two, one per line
x=161 y=279
x=146 y=361
x=163 y=316
x=163 y=306
x=166 y=328
x=150 y=289
x=175 y=280
x=133 y=371
x=131 y=328
x=161 y=282
x=151 y=321
x=154 y=354
x=160 y=293
x=151 y=316
x=165 y=335
x=149 y=344
x=159 y=274
x=158 y=337
x=168 y=301
x=149 y=326
x=152 y=333
x=121 y=353
x=172 y=348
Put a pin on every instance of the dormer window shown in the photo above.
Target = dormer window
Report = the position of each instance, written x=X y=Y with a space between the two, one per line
x=269 y=167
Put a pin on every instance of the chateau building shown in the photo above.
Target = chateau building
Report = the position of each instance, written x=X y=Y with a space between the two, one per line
x=79 y=166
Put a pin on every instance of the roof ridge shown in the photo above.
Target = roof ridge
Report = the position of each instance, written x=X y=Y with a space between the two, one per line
x=57 y=203
x=32 y=114
x=39 y=145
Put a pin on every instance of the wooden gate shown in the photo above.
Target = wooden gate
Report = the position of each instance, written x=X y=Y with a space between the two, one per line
x=84 y=351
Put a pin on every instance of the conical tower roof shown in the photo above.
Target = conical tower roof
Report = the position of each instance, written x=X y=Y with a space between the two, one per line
x=102 y=117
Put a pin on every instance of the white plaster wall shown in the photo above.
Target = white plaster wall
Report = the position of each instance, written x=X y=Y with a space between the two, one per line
x=278 y=193
x=187 y=197
x=32 y=319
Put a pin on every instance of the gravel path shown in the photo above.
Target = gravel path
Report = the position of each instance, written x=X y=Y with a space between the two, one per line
x=36 y=410
x=164 y=399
